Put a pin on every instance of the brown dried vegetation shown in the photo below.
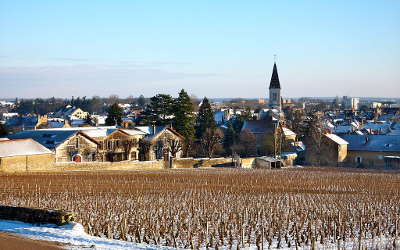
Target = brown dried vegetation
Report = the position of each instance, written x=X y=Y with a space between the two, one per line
x=220 y=207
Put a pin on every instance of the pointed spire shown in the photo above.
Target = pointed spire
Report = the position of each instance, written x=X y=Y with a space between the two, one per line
x=274 y=84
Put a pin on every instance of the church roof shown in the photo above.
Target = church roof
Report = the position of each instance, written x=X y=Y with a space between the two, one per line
x=274 y=84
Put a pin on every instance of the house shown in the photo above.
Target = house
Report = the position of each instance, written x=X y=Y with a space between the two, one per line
x=70 y=113
x=116 y=144
x=371 y=150
x=259 y=128
x=160 y=143
x=334 y=149
x=24 y=154
x=21 y=123
x=67 y=144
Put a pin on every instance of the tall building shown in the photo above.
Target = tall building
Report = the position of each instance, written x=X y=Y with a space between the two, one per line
x=275 y=90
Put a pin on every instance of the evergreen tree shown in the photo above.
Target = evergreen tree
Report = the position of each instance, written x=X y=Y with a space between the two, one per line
x=159 y=110
x=205 y=118
x=3 y=130
x=141 y=101
x=183 y=121
x=229 y=138
x=114 y=116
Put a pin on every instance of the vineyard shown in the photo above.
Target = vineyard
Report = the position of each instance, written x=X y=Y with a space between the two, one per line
x=223 y=208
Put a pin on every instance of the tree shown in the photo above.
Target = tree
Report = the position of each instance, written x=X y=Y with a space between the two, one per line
x=313 y=140
x=114 y=116
x=229 y=138
x=174 y=146
x=248 y=142
x=141 y=101
x=159 y=110
x=205 y=118
x=210 y=139
x=144 y=149
x=88 y=119
x=183 y=121
x=272 y=141
x=3 y=130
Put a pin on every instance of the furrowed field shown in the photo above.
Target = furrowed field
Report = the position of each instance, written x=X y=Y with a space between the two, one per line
x=227 y=208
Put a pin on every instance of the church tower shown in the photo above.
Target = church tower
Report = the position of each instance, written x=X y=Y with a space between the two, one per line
x=275 y=90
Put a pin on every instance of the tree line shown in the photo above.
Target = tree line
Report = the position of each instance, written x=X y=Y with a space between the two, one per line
x=94 y=105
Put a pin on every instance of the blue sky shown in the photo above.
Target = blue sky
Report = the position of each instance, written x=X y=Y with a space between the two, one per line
x=210 y=48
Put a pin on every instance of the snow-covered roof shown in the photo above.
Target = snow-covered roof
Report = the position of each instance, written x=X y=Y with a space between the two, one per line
x=336 y=139
x=381 y=143
x=344 y=129
x=288 y=132
x=133 y=131
x=50 y=138
x=21 y=147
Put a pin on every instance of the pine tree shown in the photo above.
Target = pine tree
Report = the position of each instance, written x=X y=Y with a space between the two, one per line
x=205 y=118
x=229 y=138
x=114 y=116
x=183 y=121
x=3 y=130
x=159 y=110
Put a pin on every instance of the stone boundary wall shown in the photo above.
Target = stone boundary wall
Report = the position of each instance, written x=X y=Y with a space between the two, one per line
x=47 y=164
x=24 y=163
x=122 y=165
x=211 y=162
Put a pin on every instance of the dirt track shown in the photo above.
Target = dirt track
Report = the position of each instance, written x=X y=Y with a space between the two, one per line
x=15 y=242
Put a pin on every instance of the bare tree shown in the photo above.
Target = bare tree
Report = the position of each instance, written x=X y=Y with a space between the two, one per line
x=247 y=140
x=210 y=139
x=144 y=149
x=174 y=146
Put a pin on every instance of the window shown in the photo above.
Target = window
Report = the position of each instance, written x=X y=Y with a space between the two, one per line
x=358 y=159
x=77 y=142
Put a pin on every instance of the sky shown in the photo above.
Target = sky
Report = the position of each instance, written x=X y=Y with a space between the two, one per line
x=209 y=48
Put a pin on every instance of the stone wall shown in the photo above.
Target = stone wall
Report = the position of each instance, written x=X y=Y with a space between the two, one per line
x=213 y=162
x=122 y=165
x=47 y=163
x=44 y=162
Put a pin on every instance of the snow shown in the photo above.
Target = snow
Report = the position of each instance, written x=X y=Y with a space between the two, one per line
x=10 y=148
x=72 y=233
x=336 y=139
x=75 y=237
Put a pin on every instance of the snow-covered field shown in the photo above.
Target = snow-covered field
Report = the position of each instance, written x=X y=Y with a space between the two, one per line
x=71 y=233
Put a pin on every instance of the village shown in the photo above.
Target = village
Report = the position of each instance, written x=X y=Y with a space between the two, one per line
x=44 y=134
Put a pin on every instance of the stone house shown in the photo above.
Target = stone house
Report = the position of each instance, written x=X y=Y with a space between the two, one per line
x=160 y=143
x=372 y=150
x=68 y=145
x=117 y=144
x=24 y=155
x=70 y=113
x=333 y=150
x=260 y=128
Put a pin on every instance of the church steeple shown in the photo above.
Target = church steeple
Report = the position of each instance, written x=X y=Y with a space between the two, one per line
x=274 y=84
x=275 y=90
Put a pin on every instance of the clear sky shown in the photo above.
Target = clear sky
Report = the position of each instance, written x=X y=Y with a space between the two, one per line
x=210 y=48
